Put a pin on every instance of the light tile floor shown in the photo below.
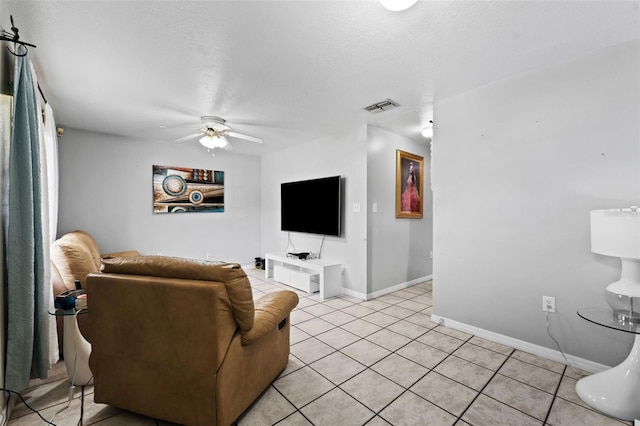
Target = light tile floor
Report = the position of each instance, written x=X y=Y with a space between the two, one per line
x=373 y=363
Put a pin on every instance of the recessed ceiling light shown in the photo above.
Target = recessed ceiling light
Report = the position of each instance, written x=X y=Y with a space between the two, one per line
x=398 y=5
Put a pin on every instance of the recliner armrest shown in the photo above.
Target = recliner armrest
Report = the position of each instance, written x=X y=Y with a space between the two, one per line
x=270 y=310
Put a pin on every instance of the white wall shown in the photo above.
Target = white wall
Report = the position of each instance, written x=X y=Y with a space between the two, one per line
x=517 y=167
x=398 y=248
x=344 y=154
x=106 y=189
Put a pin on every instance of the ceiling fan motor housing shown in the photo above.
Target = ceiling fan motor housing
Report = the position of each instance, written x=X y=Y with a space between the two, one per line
x=215 y=128
x=214 y=122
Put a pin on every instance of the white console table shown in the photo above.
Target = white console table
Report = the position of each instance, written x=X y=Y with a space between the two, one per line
x=308 y=275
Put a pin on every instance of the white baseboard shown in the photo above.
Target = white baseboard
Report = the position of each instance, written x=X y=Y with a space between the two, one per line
x=369 y=296
x=541 y=351
x=352 y=293
x=398 y=287
x=250 y=266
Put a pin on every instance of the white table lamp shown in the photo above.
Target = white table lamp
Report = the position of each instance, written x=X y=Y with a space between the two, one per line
x=617 y=233
x=616 y=391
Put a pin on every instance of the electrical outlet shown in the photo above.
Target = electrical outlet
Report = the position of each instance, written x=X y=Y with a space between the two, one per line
x=549 y=304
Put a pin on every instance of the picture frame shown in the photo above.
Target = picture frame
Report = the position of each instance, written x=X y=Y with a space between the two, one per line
x=187 y=190
x=409 y=188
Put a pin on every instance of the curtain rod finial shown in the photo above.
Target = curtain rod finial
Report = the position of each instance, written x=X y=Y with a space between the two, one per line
x=60 y=132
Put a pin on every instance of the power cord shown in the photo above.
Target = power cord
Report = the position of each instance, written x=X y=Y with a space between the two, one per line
x=321 y=245
x=5 y=415
x=73 y=378
x=6 y=419
x=289 y=243
x=558 y=344
x=554 y=340
x=70 y=398
x=75 y=359
x=81 y=405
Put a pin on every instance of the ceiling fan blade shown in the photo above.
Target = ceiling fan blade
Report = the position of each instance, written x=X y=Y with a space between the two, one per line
x=245 y=137
x=186 y=138
x=228 y=146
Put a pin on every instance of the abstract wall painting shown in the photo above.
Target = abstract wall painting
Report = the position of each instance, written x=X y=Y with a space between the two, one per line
x=187 y=190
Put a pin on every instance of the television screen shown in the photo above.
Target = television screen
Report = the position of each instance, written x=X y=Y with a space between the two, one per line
x=312 y=206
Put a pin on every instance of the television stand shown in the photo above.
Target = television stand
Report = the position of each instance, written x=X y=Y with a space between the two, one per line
x=314 y=275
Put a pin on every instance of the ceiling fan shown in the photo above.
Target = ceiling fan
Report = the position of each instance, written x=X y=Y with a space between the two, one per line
x=213 y=133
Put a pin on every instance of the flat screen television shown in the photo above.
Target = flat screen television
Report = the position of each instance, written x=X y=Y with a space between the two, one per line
x=312 y=206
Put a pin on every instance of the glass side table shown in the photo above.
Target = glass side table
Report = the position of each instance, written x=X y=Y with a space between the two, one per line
x=75 y=348
x=615 y=391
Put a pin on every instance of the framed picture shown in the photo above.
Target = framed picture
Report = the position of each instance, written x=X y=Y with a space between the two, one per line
x=409 y=171
x=187 y=190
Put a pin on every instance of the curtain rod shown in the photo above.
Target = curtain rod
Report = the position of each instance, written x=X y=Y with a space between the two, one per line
x=42 y=93
x=14 y=37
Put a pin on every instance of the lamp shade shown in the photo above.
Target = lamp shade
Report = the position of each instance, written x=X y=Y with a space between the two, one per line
x=214 y=141
x=616 y=232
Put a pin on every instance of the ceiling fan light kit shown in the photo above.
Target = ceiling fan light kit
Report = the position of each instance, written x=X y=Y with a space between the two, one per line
x=214 y=141
x=212 y=133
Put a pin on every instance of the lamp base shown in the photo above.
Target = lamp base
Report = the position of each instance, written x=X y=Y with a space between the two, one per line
x=616 y=391
x=626 y=317
x=624 y=295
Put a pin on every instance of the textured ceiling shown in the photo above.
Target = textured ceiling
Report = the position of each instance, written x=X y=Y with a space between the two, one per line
x=291 y=71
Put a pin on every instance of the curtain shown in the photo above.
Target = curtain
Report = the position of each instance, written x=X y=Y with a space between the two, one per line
x=27 y=352
x=5 y=135
x=50 y=160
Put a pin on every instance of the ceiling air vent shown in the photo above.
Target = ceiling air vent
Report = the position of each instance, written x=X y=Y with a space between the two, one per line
x=385 y=105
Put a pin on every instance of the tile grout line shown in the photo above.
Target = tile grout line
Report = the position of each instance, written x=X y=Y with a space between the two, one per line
x=617 y=420
x=423 y=376
x=484 y=387
x=297 y=410
x=555 y=395
x=449 y=354
x=355 y=360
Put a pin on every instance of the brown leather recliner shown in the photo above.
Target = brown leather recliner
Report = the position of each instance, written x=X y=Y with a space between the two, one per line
x=73 y=256
x=182 y=340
